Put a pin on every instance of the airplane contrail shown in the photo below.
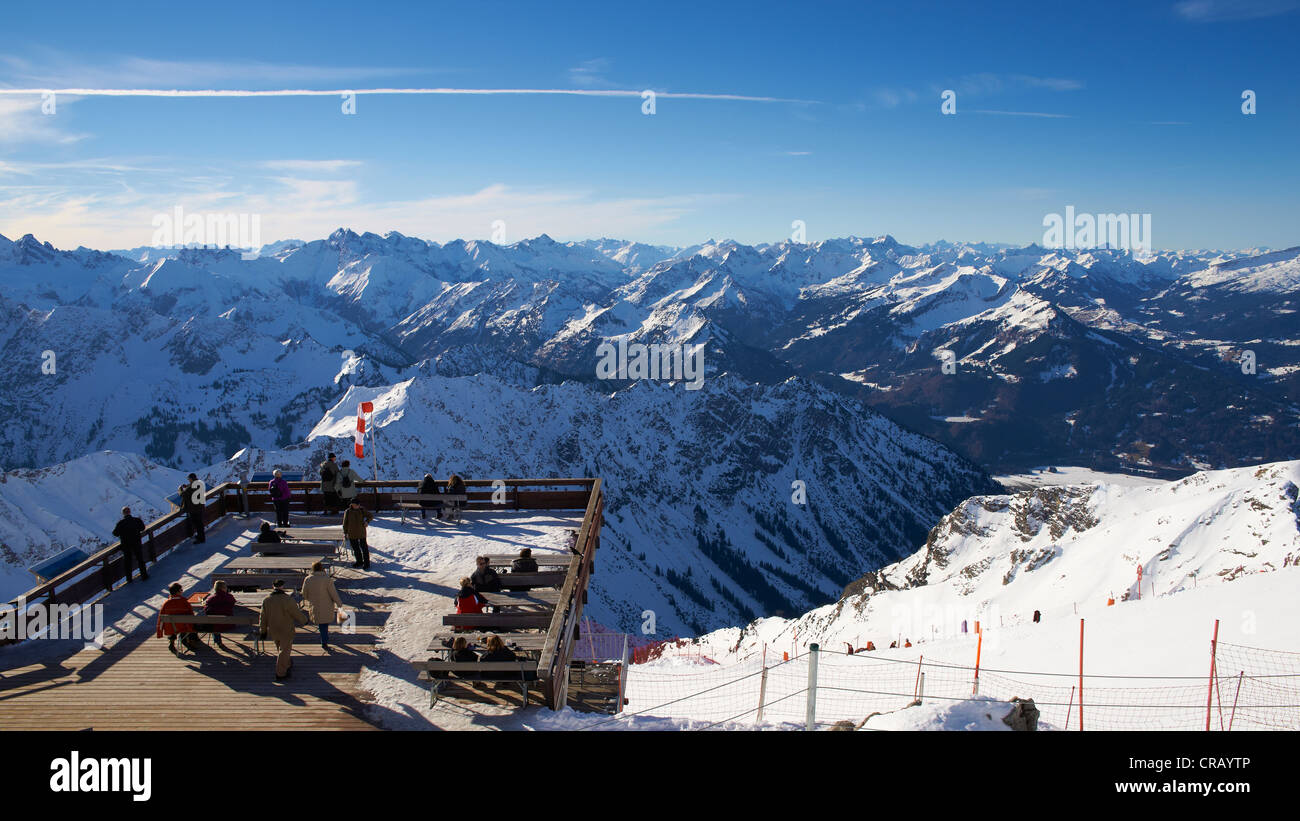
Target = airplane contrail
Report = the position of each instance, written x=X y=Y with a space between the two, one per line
x=302 y=92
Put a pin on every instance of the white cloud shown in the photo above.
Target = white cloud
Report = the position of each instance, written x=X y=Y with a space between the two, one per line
x=306 y=208
x=309 y=166
x=22 y=121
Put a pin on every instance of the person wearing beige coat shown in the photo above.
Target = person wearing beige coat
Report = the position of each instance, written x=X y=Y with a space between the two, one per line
x=281 y=615
x=322 y=599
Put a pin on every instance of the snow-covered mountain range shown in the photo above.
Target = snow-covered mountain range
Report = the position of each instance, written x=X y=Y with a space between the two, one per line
x=1095 y=357
x=482 y=359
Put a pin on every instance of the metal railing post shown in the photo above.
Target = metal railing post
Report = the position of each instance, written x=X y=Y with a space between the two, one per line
x=812 y=686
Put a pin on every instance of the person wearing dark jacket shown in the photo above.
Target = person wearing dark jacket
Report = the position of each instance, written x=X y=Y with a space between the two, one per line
x=485 y=579
x=355 y=520
x=193 y=502
x=218 y=603
x=525 y=563
x=280 y=495
x=497 y=650
x=428 y=487
x=329 y=484
x=130 y=533
x=456 y=486
x=267 y=534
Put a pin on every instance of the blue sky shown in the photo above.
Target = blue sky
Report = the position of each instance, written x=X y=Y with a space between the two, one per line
x=1144 y=102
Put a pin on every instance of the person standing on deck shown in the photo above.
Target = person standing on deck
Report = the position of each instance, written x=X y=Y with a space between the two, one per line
x=355 y=519
x=329 y=484
x=348 y=479
x=129 y=532
x=322 y=600
x=194 y=503
x=281 y=615
x=280 y=498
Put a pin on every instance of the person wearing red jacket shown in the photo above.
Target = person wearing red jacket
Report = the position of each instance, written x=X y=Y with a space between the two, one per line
x=176 y=605
x=468 y=600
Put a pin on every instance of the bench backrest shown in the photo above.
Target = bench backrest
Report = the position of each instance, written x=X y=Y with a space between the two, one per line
x=501 y=620
x=484 y=666
x=238 y=618
x=430 y=497
x=539 y=579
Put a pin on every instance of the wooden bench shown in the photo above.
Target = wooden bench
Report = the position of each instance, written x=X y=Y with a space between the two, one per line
x=277 y=564
x=452 y=502
x=499 y=621
x=546 y=598
x=553 y=560
x=236 y=619
x=514 y=581
x=437 y=674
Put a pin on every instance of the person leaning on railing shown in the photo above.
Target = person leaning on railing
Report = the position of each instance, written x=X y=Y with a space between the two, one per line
x=130 y=533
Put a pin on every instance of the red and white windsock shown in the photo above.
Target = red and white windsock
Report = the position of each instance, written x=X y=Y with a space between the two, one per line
x=359 y=435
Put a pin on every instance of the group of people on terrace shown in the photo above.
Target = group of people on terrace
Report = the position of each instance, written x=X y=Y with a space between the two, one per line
x=485 y=579
x=279 y=615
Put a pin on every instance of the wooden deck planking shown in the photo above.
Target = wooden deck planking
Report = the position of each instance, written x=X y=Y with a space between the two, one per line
x=138 y=684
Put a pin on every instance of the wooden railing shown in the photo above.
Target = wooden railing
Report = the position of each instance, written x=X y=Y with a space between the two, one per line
x=553 y=664
x=101 y=572
x=97 y=575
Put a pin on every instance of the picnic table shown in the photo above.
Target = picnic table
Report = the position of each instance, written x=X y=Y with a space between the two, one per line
x=545 y=599
x=274 y=564
x=514 y=581
x=320 y=534
x=295 y=548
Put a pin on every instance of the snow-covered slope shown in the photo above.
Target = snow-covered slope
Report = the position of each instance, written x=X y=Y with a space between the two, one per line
x=1062 y=550
x=74 y=504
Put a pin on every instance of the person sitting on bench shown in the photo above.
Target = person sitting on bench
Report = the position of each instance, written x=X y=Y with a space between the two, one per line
x=497 y=650
x=177 y=605
x=525 y=563
x=218 y=603
x=428 y=487
x=267 y=535
x=459 y=651
x=468 y=599
x=485 y=579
